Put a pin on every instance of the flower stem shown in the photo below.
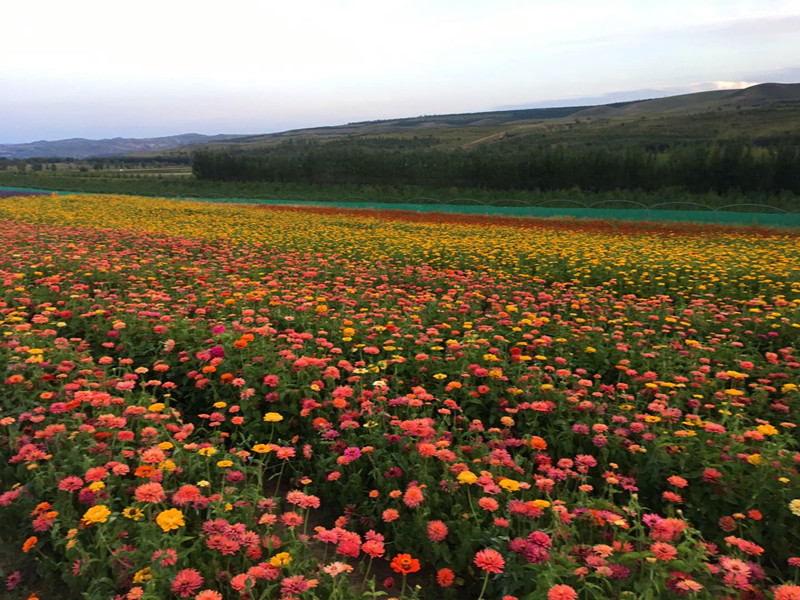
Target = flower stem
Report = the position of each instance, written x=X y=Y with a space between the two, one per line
x=483 y=589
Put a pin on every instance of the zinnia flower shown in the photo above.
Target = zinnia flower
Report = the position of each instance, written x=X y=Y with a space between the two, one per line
x=561 y=592
x=170 y=519
x=467 y=477
x=437 y=531
x=787 y=592
x=150 y=492
x=186 y=582
x=490 y=560
x=445 y=577
x=404 y=564
x=29 y=543
x=664 y=551
x=413 y=496
x=96 y=514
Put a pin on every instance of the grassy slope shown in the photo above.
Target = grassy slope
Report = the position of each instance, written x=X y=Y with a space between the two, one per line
x=757 y=113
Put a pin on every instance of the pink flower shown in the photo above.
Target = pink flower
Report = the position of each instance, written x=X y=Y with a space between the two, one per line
x=787 y=592
x=186 y=583
x=150 y=492
x=664 y=551
x=490 y=560
x=413 y=496
x=70 y=484
x=297 y=584
x=437 y=531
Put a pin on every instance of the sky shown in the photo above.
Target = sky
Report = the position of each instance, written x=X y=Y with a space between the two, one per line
x=100 y=69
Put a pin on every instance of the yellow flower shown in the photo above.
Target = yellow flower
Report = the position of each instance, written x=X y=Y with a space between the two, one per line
x=224 y=463
x=767 y=429
x=165 y=446
x=96 y=486
x=509 y=485
x=755 y=459
x=170 y=519
x=794 y=506
x=262 y=448
x=132 y=513
x=273 y=417
x=142 y=576
x=281 y=559
x=467 y=477
x=541 y=503
x=96 y=514
x=207 y=451
x=167 y=465
x=220 y=405
x=156 y=407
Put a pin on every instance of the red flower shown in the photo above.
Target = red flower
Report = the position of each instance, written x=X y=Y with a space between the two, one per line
x=404 y=564
x=445 y=577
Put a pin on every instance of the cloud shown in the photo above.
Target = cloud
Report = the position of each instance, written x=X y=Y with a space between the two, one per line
x=733 y=85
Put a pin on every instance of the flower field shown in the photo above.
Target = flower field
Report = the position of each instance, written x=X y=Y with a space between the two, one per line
x=222 y=402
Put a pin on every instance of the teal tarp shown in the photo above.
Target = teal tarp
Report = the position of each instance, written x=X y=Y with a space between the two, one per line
x=633 y=214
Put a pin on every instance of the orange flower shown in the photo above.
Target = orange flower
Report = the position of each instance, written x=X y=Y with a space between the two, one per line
x=404 y=564
x=538 y=443
x=29 y=543
x=413 y=496
x=144 y=471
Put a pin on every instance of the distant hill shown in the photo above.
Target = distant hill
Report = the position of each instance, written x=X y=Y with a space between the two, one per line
x=83 y=148
x=756 y=96
x=770 y=111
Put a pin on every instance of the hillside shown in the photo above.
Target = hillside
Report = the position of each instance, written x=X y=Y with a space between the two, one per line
x=82 y=148
x=761 y=113
x=765 y=112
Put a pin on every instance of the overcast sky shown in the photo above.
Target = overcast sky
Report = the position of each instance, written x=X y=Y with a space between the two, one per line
x=97 y=69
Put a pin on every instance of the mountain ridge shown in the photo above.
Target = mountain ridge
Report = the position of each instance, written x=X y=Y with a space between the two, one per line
x=457 y=129
x=82 y=148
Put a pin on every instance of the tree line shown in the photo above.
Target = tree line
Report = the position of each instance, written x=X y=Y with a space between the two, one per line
x=700 y=168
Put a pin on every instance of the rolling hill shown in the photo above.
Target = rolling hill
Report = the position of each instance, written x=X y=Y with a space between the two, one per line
x=767 y=110
x=767 y=113
x=82 y=148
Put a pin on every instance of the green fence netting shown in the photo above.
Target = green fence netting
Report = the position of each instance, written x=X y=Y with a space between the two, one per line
x=743 y=214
